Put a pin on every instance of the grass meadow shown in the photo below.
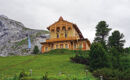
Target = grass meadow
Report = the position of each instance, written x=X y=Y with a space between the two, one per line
x=58 y=67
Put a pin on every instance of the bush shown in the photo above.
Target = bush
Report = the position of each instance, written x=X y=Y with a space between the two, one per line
x=45 y=77
x=23 y=74
x=108 y=74
x=126 y=74
x=112 y=74
x=36 y=50
x=114 y=57
x=97 y=57
x=80 y=59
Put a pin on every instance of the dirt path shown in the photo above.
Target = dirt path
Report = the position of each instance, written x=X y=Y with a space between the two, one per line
x=24 y=62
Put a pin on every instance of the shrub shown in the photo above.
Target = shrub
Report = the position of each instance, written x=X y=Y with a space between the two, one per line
x=35 y=50
x=45 y=77
x=97 y=57
x=80 y=59
x=114 y=57
x=126 y=74
x=108 y=74
x=23 y=74
x=112 y=74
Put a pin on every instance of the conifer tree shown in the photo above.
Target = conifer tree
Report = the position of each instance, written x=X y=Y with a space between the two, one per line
x=102 y=32
x=116 y=40
x=97 y=56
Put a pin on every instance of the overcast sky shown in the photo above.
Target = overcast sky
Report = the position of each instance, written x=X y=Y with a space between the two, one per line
x=39 y=14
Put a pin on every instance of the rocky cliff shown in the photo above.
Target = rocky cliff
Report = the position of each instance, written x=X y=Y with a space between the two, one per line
x=13 y=37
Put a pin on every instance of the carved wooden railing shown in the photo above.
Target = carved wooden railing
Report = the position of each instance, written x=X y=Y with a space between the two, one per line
x=61 y=39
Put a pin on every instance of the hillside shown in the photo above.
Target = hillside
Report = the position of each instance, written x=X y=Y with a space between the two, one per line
x=13 y=37
x=58 y=66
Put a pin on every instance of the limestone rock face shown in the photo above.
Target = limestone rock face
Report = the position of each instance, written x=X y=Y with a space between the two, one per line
x=13 y=37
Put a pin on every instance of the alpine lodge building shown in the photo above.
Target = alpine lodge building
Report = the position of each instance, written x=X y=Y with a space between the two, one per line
x=64 y=34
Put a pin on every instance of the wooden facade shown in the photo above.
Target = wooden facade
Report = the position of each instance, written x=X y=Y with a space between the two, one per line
x=64 y=34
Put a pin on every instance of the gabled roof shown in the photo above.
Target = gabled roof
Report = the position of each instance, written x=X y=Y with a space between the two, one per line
x=74 y=25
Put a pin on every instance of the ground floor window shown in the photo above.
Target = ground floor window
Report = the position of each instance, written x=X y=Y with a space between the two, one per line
x=74 y=46
x=61 y=45
x=66 y=45
x=80 y=45
x=51 y=47
x=46 y=48
x=56 y=46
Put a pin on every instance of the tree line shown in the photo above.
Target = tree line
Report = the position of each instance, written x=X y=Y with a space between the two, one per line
x=107 y=56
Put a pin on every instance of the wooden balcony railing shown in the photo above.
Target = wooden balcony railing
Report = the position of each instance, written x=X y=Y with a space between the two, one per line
x=61 y=39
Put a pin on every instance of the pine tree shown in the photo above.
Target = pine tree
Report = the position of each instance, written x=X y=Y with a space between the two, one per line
x=116 y=40
x=102 y=32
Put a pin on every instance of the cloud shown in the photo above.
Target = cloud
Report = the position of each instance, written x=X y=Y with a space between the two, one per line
x=39 y=14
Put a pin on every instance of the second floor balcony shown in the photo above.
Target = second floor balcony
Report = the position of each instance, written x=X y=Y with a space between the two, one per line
x=61 y=39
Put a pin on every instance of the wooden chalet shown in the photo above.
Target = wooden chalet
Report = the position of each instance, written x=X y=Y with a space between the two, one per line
x=64 y=34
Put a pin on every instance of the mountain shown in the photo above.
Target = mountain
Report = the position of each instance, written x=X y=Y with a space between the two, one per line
x=13 y=37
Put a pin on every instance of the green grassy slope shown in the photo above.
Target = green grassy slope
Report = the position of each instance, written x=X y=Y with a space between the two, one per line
x=40 y=64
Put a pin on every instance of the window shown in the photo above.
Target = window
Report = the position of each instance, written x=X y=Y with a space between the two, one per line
x=63 y=28
x=58 y=29
x=80 y=45
x=51 y=47
x=74 y=46
x=69 y=28
x=66 y=45
x=56 y=46
x=52 y=30
x=46 y=48
x=65 y=34
x=61 y=45
x=57 y=35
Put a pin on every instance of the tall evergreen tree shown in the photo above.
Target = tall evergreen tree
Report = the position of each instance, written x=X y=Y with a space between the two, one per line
x=116 y=40
x=102 y=32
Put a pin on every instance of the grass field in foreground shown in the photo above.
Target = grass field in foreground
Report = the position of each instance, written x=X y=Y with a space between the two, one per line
x=40 y=64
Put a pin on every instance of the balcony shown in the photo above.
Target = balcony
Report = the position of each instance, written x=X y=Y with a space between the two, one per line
x=61 y=39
